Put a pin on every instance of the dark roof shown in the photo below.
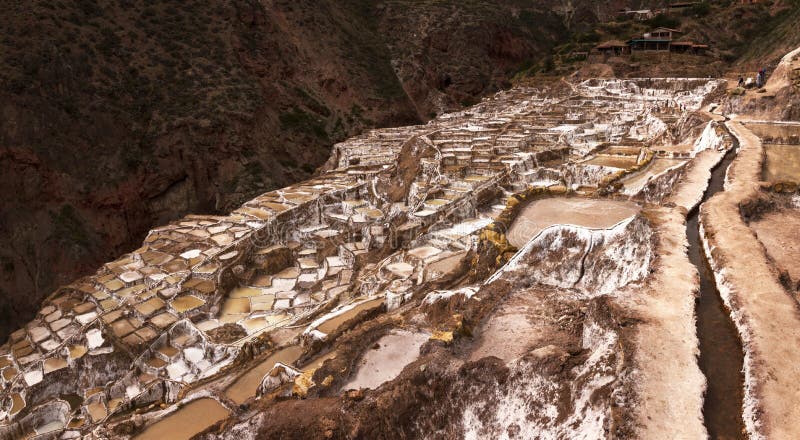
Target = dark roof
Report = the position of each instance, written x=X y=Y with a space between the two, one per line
x=610 y=44
x=666 y=29
x=682 y=4
x=648 y=40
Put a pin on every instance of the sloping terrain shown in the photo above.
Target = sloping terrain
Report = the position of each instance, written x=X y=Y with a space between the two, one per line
x=264 y=318
x=117 y=116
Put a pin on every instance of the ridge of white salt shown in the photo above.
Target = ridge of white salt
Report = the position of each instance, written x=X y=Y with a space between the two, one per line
x=94 y=338
x=194 y=253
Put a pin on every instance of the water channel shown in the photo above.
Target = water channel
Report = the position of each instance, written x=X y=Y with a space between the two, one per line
x=721 y=356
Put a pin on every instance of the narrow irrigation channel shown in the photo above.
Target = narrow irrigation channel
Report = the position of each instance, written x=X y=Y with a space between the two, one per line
x=721 y=355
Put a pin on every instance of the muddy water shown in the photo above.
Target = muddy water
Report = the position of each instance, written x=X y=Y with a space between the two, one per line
x=334 y=323
x=245 y=387
x=782 y=163
x=721 y=357
x=187 y=421
x=775 y=131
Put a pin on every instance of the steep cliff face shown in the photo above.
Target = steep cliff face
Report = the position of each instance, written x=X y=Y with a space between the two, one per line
x=117 y=116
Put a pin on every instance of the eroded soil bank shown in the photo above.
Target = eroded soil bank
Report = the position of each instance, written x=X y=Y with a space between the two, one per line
x=766 y=317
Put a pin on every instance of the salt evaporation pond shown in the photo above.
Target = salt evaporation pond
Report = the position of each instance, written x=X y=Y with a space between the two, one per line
x=588 y=213
x=782 y=164
x=395 y=351
x=245 y=387
x=187 y=421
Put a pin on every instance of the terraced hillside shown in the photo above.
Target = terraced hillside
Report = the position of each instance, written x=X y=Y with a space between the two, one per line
x=433 y=240
x=118 y=116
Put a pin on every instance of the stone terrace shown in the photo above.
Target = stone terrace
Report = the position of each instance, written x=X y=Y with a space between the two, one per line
x=202 y=290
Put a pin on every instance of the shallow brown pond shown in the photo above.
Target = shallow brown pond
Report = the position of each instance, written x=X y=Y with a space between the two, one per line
x=782 y=164
x=186 y=421
x=245 y=387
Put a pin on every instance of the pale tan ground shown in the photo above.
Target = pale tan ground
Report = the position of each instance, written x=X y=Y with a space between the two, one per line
x=783 y=163
x=759 y=302
x=590 y=213
x=622 y=162
x=779 y=232
x=689 y=190
x=395 y=351
x=245 y=387
x=187 y=421
x=779 y=82
x=636 y=181
x=780 y=77
x=775 y=131
x=669 y=381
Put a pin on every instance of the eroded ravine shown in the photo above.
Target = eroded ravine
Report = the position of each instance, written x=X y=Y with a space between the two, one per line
x=721 y=357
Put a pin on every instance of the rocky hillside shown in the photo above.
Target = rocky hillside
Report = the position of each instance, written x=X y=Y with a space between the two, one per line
x=741 y=38
x=119 y=115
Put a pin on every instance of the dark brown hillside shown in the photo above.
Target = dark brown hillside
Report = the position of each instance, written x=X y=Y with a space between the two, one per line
x=120 y=115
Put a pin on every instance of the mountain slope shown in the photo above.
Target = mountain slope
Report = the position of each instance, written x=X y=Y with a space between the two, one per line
x=121 y=115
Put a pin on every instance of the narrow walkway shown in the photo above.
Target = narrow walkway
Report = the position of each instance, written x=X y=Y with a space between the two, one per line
x=668 y=381
x=767 y=318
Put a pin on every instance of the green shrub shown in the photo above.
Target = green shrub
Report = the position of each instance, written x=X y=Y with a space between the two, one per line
x=662 y=20
x=69 y=227
x=300 y=121
x=699 y=10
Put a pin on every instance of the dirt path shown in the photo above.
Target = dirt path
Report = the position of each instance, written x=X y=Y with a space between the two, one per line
x=689 y=190
x=766 y=316
x=668 y=381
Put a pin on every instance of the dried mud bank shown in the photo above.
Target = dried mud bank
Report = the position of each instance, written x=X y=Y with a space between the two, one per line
x=666 y=376
x=765 y=314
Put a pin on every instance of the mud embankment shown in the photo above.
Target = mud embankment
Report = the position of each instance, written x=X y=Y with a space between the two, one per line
x=766 y=317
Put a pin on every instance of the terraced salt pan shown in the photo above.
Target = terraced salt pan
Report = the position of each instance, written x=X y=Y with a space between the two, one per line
x=246 y=386
x=332 y=321
x=396 y=350
x=187 y=421
x=621 y=162
x=782 y=164
x=588 y=213
x=635 y=182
